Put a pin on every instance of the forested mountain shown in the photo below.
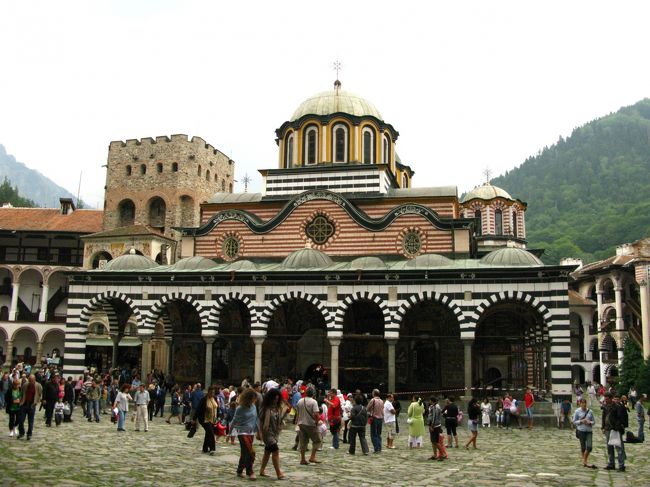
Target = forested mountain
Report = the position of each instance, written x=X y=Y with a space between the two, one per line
x=9 y=194
x=590 y=191
x=30 y=183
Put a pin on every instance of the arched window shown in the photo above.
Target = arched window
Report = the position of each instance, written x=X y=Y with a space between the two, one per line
x=311 y=141
x=498 y=222
x=199 y=170
x=207 y=175
x=223 y=185
x=215 y=177
x=126 y=211
x=288 y=151
x=128 y=170
x=159 y=167
x=143 y=169
x=340 y=143
x=405 y=180
x=514 y=223
x=174 y=166
x=157 y=212
x=368 y=145
x=230 y=186
x=386 y=150
x=479 y=226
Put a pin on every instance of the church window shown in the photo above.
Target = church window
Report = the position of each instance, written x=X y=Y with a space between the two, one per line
x=498 y=222
x=128 y=170
x=207 y=175
x=230 y=187
x=126 y=210
x=288 y=151
x=386 y=149
x=216 y=179
x=143 y=169
x=514 y=223
x=157 y=212
x=412 y=243
x=320 y=229
x=159 y=167
x=405 y=180
x=479 y=225
x=175 y=167
x=230 y=247
x=368 y=146
x=223 y=185
x=311 y=139
x=199 y=170
x=340 y=143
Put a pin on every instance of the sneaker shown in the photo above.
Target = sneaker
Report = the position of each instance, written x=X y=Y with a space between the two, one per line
x=29 y=437
x=610 y=467
x=11 y=433
x=18 y=437
x=621 y=469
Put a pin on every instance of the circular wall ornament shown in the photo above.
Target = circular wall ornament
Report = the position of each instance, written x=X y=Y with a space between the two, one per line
x=320 y=229
x=230 y=247
x=412 y=243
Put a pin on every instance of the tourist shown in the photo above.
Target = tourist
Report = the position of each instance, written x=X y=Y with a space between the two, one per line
x=77 y=389
x=333 y=416
x=591 y=392
x=31 y=395
x=92 y=401
x=308 y=416
x=613 y=427
x=415 y=420
x=244 y=426
x=398 y=409
x=389 y=421
x=50 y=396
x=565 y=414
x=346 y=409
x=12 y=406
x=195 y=396
x=230 y=414
x=529 y=402
x=507 y=405
x=375 y=410
x=58 y=411
x=358 y=422
x=175 y=410
x=583 y=419
x=579 y=393
x=5 y=386
x=68 y=398
x=187 y=403
x=514 y=410
x=640 y=416
x=632 y=393
x=161 y=397
x=270 y=425
x=121 y=403
x=486 y=411
x=450 y=413
x=206 y=414
x=141 y=399
x=153 y=394
x=498 y=412
x=473 y=411
x=434 y=420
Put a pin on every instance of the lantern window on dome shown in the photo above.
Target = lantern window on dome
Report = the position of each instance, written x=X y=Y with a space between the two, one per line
x=498 y=222
x=288 y=151
x=311 y=147
x=320 y=229
x=368 y=146
x=340 y=141
x=386 y=150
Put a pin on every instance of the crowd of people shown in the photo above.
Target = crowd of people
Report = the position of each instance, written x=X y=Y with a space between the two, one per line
x=260 y=411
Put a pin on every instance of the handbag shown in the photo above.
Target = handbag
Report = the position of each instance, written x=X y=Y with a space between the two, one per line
x=409 y=421
x=614 y=439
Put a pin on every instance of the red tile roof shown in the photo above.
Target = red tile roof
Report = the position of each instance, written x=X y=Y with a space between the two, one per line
x=50 y=220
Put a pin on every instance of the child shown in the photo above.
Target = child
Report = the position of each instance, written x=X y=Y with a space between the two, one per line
x=486 y=410
x=67 y=412
x=499 y=412
x=58 y=411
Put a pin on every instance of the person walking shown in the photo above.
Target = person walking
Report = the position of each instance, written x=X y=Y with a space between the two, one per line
x=473 y=412
x=390 y=421
x=415 y=420
x=591 y=392
x=358 y=422
x=31 y=395
x=12 y=406
x=206 y=414
x=583 y=419
x=640 y=416
x=507 y=406
x=270 y=425
x=92 y=401
x=334 y=416
x=141 y=399
x=486 y=411
x=612 y=426
x=434 y=421
x=50 y=396
x=375 y=410
x=450 y=413
x=175 y=409
x=529 y=402
x=346 y=408
x=121 y=403
x=307 y=417
x=244 y=426
x=68 y=398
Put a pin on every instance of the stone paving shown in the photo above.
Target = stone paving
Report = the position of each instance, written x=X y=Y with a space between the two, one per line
x=83 y=453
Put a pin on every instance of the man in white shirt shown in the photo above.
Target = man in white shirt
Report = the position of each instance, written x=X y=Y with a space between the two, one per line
x=308 y=416
x=389 y=420
x=141 y=399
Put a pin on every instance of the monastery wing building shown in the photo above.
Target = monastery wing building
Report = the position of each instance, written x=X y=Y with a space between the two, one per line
x=337 y=264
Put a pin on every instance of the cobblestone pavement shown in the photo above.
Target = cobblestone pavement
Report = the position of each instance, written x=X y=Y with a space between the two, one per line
x=83 y=453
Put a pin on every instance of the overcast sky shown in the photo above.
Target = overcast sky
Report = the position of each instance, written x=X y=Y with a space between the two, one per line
x=468 y=85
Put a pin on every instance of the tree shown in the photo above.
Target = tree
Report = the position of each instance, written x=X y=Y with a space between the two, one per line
x=631 y=367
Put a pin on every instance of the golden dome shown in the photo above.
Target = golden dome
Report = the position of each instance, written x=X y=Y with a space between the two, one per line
x=336 y=101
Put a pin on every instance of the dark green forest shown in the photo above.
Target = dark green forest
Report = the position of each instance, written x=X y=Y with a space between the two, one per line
x=589 y=192
x=9 y=194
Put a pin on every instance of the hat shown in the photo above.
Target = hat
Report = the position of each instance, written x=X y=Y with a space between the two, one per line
x=349 y=394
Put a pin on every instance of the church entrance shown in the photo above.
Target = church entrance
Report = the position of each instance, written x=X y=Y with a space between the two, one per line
x=233 y=351
x=188 y=347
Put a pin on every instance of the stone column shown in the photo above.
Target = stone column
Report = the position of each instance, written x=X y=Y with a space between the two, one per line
x=645 y=317
x=169 y=343
x=257 y=371
x=603 y=377
x=208 y=360
x=334 y=362
x=146 y=356
x=13 y=309
x=467 y=346
x=391 y=364
x=116 y=343
x=620 y=324
x=39 y=352
x=10 y=353
x=45 y=296
x=599 y=308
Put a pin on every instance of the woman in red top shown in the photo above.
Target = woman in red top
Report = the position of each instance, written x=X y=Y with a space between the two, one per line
x=529 y=400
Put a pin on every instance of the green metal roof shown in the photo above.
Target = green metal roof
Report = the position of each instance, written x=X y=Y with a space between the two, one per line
x=336 y=101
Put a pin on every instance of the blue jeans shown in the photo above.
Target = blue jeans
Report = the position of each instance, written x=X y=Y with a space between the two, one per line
x=375 y=433
x=93 y=409
x=641 y=435
x=121 y=416
x=610 y=452
x=26 y=412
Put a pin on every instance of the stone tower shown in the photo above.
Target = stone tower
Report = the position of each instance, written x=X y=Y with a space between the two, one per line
x=162 y=183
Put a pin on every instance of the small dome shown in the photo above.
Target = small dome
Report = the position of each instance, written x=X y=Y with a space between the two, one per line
x=367 y=263
x=430 y=260
x=336 y=101
x=130 y=262
x=243 y=265
x=486 y=192
x=511 y=256
x=307 y=259
x=193 y=264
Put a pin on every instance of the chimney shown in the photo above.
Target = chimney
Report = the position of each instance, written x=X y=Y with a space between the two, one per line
x=66 y=206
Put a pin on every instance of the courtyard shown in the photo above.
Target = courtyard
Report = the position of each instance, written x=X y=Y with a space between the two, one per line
x=83 y=453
